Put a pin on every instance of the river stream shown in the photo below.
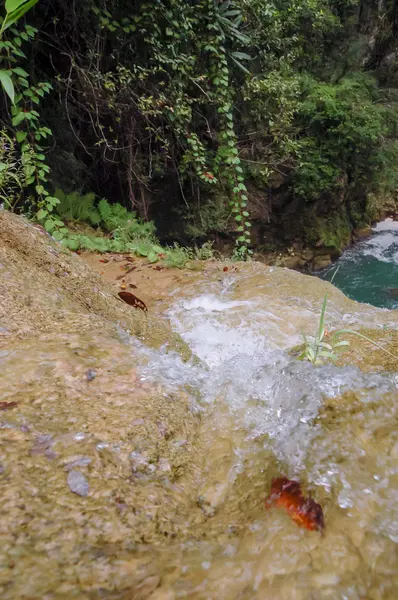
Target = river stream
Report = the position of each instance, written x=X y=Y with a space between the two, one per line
x=368 y=272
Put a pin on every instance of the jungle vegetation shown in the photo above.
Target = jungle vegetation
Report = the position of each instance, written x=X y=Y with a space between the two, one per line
x=247 y=119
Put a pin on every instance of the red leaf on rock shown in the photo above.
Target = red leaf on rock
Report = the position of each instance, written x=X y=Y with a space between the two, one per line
x=305 y=512
x=104 y=260
x=225 y=269
x=7 y=405
x=133 y=300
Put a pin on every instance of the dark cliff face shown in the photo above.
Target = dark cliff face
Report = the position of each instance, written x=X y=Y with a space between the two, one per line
x=379 y=22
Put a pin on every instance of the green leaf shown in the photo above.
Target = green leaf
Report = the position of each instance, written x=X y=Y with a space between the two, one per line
x=241 y=55
x=7 y=84
x=327 y=354
x=310 y=353
x=232 y=13
x=142 y=249
x=321 y=327
x=18 y=52
x=152 y=257
x=12 y=5
x=18 y=118
x=49 y=225
x=239 y=64
x=341 y=344
x=41 y=214
x=72 y=244
x=15 y=10
x=325 y=345
x=21 y=136
x=58 y=235
x=20 y=72
x=240 y=36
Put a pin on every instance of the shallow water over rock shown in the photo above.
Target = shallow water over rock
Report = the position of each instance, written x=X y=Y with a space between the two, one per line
x=127 y=471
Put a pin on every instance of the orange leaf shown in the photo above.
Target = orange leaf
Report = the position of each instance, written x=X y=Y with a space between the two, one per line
x=305 y=512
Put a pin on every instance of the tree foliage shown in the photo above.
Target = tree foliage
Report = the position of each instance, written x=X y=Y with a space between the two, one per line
x=168 y=106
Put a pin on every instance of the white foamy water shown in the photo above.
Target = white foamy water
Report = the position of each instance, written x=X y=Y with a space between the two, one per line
x=386 y=225
x=383 y=246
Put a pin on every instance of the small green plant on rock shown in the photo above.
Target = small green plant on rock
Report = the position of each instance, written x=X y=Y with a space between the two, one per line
x=318 y=351
x=324 y=346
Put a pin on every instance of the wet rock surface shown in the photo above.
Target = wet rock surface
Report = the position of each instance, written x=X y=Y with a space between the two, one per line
x=47 y=288
x=126 y=472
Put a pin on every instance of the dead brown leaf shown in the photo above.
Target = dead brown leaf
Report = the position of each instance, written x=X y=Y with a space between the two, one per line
x=133 y=301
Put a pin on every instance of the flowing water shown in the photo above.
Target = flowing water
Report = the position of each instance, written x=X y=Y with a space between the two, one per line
x=332 y=428
x=368 y=272
x=127 y=472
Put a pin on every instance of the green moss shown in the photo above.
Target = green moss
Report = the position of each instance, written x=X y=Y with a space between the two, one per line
x=332 y=232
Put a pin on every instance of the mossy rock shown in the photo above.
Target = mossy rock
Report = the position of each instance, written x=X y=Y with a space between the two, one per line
x=333 y=232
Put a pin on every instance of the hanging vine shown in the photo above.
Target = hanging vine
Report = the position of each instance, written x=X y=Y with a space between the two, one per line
x=177 y=69
x=227 y=160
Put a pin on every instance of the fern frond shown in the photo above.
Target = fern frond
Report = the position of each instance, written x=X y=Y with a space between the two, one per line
x=105 y=210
